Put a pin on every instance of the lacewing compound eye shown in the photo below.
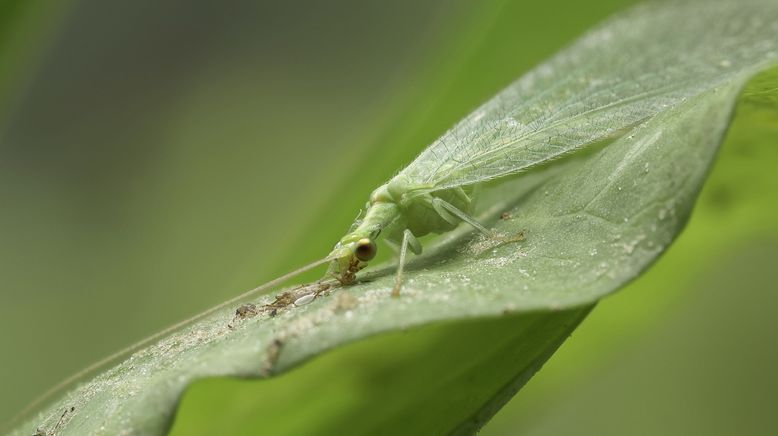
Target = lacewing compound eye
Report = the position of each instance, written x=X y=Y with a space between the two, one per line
x=366 y=250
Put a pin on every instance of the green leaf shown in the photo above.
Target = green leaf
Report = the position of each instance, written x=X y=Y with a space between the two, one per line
x=591 y=223
x=24 y=26
x=734 y=221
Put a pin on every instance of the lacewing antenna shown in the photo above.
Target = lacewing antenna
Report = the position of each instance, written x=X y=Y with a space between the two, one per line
x=136 y=346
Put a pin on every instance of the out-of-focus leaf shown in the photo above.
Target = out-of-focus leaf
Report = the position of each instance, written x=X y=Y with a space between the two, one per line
x=25 y=27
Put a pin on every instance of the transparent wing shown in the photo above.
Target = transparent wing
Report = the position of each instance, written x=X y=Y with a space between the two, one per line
x=623 y=72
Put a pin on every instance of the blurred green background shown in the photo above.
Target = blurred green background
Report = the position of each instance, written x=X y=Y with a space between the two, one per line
x=157 y=158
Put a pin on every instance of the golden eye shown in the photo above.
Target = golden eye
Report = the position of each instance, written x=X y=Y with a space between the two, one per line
x=366 y=250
